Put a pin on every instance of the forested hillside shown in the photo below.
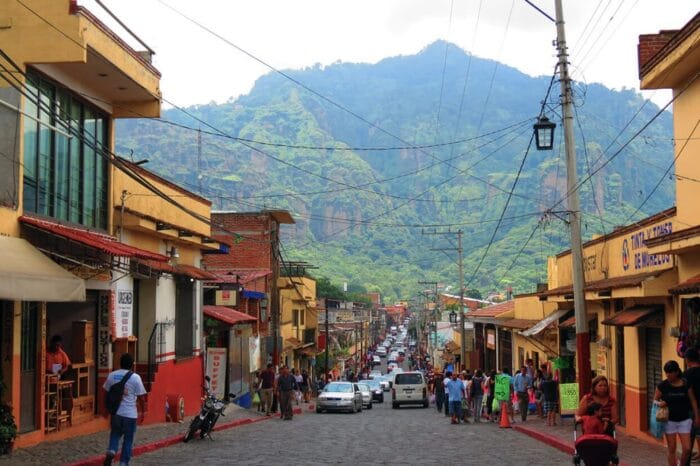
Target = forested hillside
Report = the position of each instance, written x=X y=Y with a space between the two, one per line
x=398 y=149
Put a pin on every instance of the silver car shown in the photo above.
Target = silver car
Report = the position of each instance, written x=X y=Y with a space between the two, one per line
x=340 y=396
x=366 y=394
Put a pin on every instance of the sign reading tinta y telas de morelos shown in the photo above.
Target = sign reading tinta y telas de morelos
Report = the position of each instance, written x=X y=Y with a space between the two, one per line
x=636 y=258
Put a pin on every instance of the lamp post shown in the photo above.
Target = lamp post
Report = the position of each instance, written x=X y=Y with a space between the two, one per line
x=545 y=129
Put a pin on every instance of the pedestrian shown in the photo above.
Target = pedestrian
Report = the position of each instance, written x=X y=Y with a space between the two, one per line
x=286 y=387
x=537 y=386
x=692 y=376
x=466 y=399
x=550 y=395
x=455 y=391
x=267 y=385
x=130 y=412
x=600 y=393
x=675 y=394
x=299 y=380
x=491 y=394
x=448 y=377
x=305 y=385
x=521 y=383
x=477 y=394
x=593 y=422
x=439 y=391
x=257 y=381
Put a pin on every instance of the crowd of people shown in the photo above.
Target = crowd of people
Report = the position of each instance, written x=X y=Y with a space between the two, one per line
x=283 y=388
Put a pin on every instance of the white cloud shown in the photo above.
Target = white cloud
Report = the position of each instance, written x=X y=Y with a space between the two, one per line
x=199 y=68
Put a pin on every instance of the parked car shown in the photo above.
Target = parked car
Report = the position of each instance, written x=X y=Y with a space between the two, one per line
x=340 y=396
x=377 y=390
x=374 y=374
x=409 y=388
x=376 y=360
x=381 y=351
x=366 y=394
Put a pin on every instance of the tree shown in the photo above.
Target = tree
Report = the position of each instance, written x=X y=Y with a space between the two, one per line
x=473 y=293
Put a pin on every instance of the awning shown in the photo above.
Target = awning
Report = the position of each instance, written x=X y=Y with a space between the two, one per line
x=232 y=276
x=28 y=275
x=99 y=241
x=520 y=324
x=253 y=294
x=294 y=343
x=571 y=321
x=691 y=285
x=309 y=352
x=637 y=316
x=544 y=323
x=606 y=284
x=227 y=315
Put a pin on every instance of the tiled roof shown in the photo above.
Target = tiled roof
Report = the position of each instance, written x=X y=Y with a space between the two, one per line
x=494 y=310
x=606 y=284
x=227 y=315
x=100 y=241
x=520 y=324
x=691 y=285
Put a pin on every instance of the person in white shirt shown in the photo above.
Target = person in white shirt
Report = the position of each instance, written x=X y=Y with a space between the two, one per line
x=123 y=422
x=448 y=377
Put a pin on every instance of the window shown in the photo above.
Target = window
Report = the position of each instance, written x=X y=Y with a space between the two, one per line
x=64 y=177
x=298 y=318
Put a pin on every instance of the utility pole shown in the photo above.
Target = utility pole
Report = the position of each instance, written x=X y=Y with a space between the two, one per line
x=328 y=345
x=432 y=318
x=460 y=263
x=463 y=330
x=583 y=338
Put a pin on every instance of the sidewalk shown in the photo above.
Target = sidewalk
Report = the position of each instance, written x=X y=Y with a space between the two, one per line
x=631 y=450
x=86 y=449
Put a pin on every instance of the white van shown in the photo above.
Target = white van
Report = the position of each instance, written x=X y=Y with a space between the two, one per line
x=409 y=388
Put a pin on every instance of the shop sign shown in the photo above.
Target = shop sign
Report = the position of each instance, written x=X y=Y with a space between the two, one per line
x=124 y=312
x=491 y=339
x=104 y=325
x=254 y=351
x=226 y=298
x=216 y=370
x=634 y=248
x=568 y=396
x=502 y=387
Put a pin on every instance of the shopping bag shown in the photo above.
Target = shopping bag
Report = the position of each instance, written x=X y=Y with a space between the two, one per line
x=495 y=406
x=657 y=428
x=256 y=399
x=662 y=414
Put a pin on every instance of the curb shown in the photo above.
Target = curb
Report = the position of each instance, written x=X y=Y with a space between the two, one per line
x=551 y=440
x=138 y=450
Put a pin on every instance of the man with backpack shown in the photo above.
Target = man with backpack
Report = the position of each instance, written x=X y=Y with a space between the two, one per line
x=124 y=391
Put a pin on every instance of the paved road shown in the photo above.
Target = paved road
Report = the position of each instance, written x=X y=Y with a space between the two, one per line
x=378 y=436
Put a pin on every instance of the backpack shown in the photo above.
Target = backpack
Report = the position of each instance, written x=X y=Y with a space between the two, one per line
x=115 y=394
x=476 y=389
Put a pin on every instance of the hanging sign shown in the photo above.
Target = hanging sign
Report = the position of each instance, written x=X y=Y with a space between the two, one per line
x=216 y=370
x=568 y=398
x=502 y=387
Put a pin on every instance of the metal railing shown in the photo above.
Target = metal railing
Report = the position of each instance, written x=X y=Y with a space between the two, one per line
x=154 y=339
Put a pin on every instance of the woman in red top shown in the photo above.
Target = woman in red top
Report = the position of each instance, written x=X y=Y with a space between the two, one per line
x=600 y=393
x=57 y=361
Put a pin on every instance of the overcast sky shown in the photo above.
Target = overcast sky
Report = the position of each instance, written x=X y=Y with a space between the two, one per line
x=198 y=67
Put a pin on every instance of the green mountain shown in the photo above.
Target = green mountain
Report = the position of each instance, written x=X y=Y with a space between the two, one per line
x=366 y=200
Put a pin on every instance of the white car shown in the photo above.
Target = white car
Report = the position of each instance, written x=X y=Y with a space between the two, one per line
x=366 y=395
x=340 y=396
x=409 y=388
x=381 y=352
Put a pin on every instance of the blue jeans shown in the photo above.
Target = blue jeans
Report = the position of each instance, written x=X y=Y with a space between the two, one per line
x=122 y=426
x=456 y=408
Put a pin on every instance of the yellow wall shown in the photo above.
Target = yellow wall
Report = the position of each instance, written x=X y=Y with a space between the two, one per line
x=687 y=148
x=57 y=37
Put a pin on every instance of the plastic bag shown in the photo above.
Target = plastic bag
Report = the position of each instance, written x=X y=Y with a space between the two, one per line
x=655 y=427
x=495 y=406
x=432 y=399
x=256 y=399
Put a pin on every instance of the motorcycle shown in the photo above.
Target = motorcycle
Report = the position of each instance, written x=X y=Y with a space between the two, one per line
x=212 y=408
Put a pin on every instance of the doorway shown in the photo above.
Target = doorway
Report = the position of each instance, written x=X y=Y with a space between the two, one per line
x=652 y=339
x=28 y=366
x=620 y=370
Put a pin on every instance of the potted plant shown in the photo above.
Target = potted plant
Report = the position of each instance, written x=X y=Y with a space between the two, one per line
x=8 y=428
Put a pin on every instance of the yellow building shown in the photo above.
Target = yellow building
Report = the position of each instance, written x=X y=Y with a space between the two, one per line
x=298 y=321
x=124 y=262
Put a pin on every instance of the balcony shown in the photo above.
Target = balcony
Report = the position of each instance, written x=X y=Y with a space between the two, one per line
x=309 y=336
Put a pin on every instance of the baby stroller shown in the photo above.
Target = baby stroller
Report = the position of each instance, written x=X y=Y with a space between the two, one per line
x=595 y=449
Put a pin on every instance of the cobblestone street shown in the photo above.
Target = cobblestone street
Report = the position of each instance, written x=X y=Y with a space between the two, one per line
x=378 y=436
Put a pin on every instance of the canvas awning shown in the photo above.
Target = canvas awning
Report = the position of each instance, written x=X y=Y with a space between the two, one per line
x=637 y=316
x=28 y=275
x=544 y=323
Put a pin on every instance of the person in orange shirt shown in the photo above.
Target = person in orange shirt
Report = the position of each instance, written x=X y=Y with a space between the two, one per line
x=57 y=360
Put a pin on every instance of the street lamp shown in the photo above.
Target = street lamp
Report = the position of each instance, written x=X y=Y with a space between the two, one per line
x=544 y=133
x=453 y=317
